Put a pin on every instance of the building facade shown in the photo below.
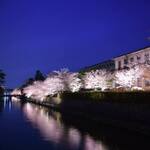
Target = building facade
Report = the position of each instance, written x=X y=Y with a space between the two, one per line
x=131 y=59
x=140 y=58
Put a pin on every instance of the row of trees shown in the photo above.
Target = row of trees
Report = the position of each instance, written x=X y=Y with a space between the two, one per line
x=55 y=82
x=40 y=87
x=38 y=77
x=2 y=77
x=2 y=80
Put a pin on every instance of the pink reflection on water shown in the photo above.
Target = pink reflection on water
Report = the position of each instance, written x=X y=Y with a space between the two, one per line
x=49 y=128
x=52 y=129
x=74 y=137
x=92 y=144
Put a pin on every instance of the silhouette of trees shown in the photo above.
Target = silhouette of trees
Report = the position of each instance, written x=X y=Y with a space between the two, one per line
x=28 y=82
x=1 y=105
x=39 y=76
x=2 y=77
x=2 y=81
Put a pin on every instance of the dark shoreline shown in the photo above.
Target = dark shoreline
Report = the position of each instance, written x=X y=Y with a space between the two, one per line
x=120 y=113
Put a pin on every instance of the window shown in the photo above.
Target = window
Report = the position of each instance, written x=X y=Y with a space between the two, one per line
x=139 y=82
x=125 y=61
x=131 y=59
x=146 y=57
x=147 y=82
x=119 y=65
x=138 y=57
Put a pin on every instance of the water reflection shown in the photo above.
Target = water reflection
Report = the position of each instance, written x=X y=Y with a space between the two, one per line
x=6 y=101
x=52 y=129
x=74 y=137
x=15 y=99
x=1 y=104
x=49 y=126
x=90 y=144
x=42 y=128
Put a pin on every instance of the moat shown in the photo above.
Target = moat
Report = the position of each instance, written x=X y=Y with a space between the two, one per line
x=28 y=126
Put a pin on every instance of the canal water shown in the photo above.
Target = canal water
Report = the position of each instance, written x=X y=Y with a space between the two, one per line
x=28 y=126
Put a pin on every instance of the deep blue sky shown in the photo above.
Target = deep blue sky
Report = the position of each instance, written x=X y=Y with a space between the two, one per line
x=51 y=34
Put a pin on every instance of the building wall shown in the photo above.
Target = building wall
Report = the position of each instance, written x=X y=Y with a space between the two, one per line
x=136 y=58
x=139 y=57
x=146 y=79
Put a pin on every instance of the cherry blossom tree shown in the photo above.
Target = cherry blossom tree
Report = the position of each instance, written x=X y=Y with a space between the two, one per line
x=74 y=83
x=127 y=78
x=55 y=83
x=96 y=80
x=70 y=80
x=40 y=90
x=16 y=92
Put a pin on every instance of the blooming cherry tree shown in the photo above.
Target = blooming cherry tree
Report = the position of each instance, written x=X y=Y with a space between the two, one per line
x=55 y=83
x=95 y=80
x=70 y=80
x=74 y=83
x=40 y=90
x=16 y=92
x=127 y=78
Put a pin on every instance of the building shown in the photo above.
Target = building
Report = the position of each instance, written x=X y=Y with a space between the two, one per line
x=141 y=56
x=108 y=65
x=130 y=59
x=125 y=61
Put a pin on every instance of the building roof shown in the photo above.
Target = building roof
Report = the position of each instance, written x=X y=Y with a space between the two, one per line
x=97 y=65
x=132 y=51
x=100 y=63
x=111 y=60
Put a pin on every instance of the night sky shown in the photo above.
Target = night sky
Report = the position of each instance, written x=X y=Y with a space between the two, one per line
x=53 y=34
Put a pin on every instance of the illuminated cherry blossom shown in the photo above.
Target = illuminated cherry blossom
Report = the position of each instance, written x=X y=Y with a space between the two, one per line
x=70 y=80
x=96 y=80
x=63 y=80
x=127 y=78
x=55 y=83
x=16 y=92
x=40 y=90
